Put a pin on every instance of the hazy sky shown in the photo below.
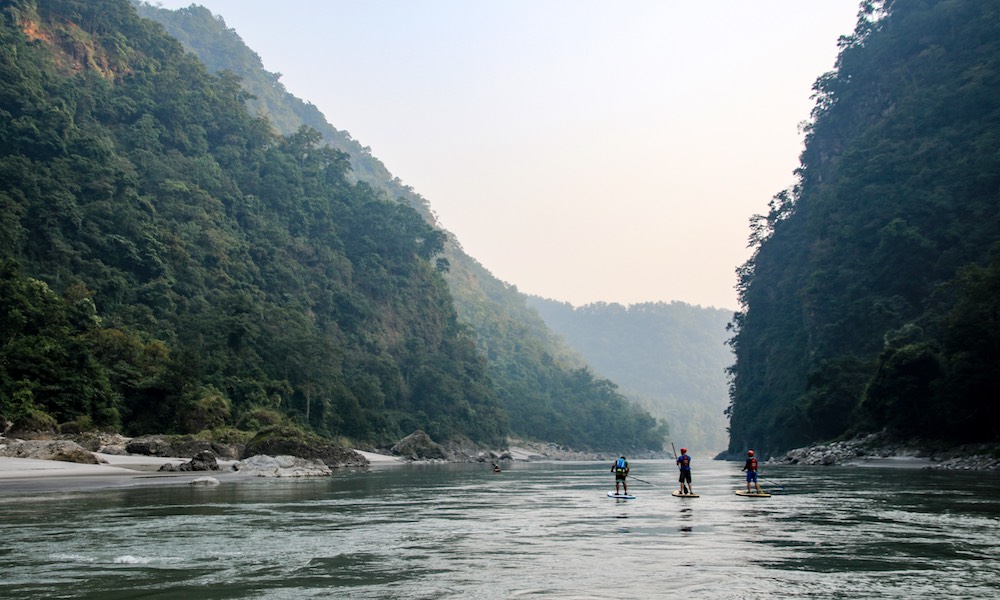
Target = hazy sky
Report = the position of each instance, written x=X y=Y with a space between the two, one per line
x=582 y=150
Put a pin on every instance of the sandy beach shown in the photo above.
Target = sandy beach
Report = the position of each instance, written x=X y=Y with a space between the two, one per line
x=32 y=475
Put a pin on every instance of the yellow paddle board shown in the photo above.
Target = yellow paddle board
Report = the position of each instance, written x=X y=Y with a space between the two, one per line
x=752 y=494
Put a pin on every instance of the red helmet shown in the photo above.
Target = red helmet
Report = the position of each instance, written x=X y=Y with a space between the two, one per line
x=750 y=453
x=684 y=450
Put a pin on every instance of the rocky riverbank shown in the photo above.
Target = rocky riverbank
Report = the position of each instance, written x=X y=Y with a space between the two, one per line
x=416 y=447
x=419 y=446
x=882 y=449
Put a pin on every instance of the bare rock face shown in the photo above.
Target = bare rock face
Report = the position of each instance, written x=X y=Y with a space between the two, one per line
x=282 y=466
x=419 y=446
x=63 y=450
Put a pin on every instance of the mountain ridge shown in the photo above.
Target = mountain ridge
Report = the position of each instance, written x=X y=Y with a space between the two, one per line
x=670 y=357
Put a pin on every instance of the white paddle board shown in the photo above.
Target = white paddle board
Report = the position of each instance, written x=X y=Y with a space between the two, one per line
x=621 y=496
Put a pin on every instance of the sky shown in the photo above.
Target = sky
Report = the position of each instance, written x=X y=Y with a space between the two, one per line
x=584 y=151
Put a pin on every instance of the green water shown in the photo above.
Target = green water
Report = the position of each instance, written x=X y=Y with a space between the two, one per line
x=540 y=530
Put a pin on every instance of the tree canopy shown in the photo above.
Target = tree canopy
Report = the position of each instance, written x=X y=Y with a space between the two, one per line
x=531 y=368
x=866 y=303
x=171 y=254
x=174 y=263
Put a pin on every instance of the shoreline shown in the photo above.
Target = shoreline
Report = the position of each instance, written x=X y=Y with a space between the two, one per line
x=116 y=470
x=26 y=475
x=881 y=450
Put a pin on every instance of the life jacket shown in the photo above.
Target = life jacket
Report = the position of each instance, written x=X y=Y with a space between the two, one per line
x=621 y=465
x=685 y=460
x=751 y=464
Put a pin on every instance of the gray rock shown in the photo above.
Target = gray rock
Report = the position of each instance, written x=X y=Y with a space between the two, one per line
x=184 y=446
x=262 y=465
x=64 y=450
x=149 y=445
x=206 y=481
x=419 y=446
x=107 y=443
x=203 y=461
x=285 y=442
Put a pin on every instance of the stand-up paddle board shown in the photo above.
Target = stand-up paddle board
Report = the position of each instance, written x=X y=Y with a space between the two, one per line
x=621 y=496
x=680 y=495
x=752 y=494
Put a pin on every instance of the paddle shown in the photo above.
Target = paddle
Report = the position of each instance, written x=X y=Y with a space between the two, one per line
x=644 y=481
x=772 y=481
x=777 y=483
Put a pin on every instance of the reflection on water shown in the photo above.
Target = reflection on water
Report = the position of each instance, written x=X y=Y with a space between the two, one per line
x=536 y=530
x=686 y=514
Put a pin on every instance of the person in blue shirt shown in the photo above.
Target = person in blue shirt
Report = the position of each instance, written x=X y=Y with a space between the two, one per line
x=620 y=469
x=684 y=462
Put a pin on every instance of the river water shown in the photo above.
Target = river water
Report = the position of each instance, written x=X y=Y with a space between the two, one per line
x=537 y=530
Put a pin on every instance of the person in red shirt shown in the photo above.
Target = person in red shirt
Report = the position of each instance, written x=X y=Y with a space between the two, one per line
x=751 y=468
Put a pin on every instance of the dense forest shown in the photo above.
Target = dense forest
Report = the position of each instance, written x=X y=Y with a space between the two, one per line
x=545 y=388
x=174 y=263
x=871 y=300
x=670 y=357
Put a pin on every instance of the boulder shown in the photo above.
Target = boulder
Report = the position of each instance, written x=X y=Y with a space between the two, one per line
x=64 y=450
x=149 y=445
x=282 y=466
x=419 y=446
x=107 y=443
x=203 y=461
x=184 y=446
x=288 y=441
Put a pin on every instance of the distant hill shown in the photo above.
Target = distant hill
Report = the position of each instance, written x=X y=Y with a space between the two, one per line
x=671 y=358
x=871 y=300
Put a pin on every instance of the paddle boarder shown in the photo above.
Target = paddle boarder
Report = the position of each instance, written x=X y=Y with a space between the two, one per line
x=620 y=469
x=684 y=462
x=751 y=468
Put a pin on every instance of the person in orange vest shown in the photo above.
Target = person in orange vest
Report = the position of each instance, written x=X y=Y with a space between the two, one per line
x=751 y=468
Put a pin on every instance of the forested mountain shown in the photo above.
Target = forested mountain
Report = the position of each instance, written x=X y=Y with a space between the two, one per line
x=546 y=389
x=873 y=297
x=171 y=263
x=671 y=358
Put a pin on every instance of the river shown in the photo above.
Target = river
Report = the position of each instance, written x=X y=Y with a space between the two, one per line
x=536 y=530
